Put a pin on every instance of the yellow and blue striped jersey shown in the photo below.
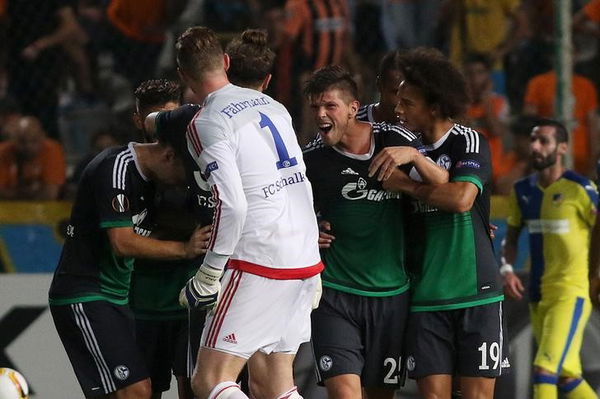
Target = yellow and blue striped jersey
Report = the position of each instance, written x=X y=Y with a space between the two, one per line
x=559 y=218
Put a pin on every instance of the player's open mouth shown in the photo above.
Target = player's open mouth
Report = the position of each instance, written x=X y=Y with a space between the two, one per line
x=325 y=128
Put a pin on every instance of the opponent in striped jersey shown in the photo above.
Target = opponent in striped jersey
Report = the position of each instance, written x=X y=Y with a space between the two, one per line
x=358 y=328
x=388 y=80
x=110 y=224
x=456 y=326
x=264 y=229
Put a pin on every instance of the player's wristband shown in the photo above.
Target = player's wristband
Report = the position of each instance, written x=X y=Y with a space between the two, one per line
x=506 y=268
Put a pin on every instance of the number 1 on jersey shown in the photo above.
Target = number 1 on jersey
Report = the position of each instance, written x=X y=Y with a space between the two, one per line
x=284 y=158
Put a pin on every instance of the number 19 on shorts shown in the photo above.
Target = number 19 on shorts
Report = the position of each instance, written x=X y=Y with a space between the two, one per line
x=489 y=353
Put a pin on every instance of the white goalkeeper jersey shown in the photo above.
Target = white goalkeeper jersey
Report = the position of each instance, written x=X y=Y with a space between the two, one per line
x=247 y=151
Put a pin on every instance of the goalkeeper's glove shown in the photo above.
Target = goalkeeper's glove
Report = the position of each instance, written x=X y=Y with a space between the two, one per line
x=202 y=290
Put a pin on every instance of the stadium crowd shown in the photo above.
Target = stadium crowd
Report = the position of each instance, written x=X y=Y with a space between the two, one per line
x=74 y=64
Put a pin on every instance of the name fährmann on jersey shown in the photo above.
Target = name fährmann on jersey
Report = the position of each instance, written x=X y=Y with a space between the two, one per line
x=233 y=108
x=276 y=186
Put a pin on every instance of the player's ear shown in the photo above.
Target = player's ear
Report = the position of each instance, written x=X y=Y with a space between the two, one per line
x=169 y=154
x=266 y=82
x=354 y=106
x=137 y=120
x=562 y=148
x=226 y=61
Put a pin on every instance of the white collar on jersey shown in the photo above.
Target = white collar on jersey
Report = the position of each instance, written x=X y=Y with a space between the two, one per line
x=360 y=157
x=441 y=141
x=135 y=160
x=211 y=94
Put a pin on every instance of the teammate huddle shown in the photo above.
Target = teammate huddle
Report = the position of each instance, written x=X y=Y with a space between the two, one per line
x=408 y=271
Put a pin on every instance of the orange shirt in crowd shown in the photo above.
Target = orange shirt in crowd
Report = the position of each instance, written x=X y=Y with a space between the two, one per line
x=144 y=21
x=48 y=167
x=541 y=94
x=476 y=113
x=592 y=10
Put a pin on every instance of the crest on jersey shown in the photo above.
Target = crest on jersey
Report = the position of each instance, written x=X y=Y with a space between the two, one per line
x=121 y=372
x=120 y=203
x=444 y=161
x=325 y=363
x=362 y=183
x=557 y=199
x=410 y=363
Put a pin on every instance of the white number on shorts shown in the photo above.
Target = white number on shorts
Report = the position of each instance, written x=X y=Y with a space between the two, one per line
x=392 y=375
x=494 y=355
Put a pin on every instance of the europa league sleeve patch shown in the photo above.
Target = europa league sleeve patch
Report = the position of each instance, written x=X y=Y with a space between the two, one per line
x=120 y=203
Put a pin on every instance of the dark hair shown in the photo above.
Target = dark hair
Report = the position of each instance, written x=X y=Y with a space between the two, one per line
x=198 y=51
x=331 y=77
x=152 y=93
x=389 y=62
x=441 y=83
x=523 y=124
x=478 y=58
x=560 y=131
x=251 y=58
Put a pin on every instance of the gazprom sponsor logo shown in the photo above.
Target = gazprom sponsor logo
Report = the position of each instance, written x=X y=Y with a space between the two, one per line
x=358 y=191
x=278 y=185
x=553 y=226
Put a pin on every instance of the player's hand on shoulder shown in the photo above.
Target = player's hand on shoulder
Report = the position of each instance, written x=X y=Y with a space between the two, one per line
x=389 y=158
x=595 y=291
x=325 y=239
x=198 y=243
x=202 y=290
x=513 y=287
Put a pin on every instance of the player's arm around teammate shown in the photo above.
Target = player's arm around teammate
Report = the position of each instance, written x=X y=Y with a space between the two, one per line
x=432 y=94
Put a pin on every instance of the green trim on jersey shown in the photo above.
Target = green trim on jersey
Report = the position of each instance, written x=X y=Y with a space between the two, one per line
x=470 y=179
x=477 y=302
x=116 y=223
x=370 y=293
x=450 y=254
x=87 y=297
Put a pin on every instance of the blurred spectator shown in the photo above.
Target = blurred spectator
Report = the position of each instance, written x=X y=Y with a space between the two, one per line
x=228 y=16
x=315 y=33
x=488 y=111
x=32 y=167
x=488 y=27
x=515 y=163
x=409 y=23
x=137 y=34
x=589 y=13
x=37 y=30
x=540 y=98
x=10 y=113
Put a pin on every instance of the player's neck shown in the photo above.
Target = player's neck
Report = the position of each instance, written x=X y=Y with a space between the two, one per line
x=211 y=82
x=550 y=174
x=357 y=138
x=145 y=158
x=437 y=130
x=380 y=114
